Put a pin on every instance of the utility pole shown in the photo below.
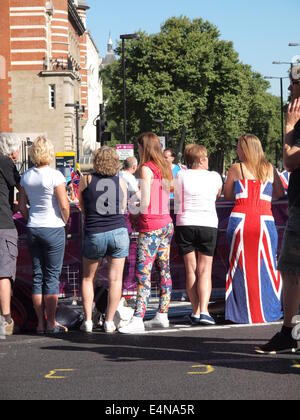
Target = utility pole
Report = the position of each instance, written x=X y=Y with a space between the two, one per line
x=124 y=38
x=77 y=109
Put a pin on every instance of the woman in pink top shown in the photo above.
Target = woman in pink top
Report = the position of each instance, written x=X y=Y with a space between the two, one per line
x=156 y=232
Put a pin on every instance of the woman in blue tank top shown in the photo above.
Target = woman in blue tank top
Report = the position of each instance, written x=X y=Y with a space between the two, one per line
x=103 y=201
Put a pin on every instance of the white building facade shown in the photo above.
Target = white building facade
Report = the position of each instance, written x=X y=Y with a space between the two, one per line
x=95 y=96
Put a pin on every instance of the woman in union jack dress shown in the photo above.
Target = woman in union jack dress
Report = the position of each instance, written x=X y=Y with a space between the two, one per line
x=253 y=284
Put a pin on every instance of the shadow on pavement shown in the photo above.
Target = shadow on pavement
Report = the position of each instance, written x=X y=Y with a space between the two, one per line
x=235 y=353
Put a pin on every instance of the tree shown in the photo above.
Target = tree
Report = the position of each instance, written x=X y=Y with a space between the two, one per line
x=187 y=77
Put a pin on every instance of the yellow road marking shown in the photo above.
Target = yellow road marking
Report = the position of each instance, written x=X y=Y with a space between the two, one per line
x=205 y=370
x=52 y=373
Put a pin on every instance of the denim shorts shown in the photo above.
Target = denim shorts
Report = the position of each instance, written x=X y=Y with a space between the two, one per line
x=113 y=244
x=289 y=261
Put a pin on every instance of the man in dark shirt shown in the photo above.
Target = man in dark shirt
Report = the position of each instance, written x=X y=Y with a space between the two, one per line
x=289 y=263
x=9 y=179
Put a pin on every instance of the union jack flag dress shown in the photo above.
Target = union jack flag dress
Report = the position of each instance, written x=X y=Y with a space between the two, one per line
x=253 y=285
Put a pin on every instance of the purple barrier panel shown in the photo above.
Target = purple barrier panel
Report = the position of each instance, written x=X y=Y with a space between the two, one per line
x=70 y=281
x=71 y=276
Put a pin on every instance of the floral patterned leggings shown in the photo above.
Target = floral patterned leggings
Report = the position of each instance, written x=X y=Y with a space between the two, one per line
x=154 y=246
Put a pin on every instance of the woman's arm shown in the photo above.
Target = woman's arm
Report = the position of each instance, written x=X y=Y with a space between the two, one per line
x=219 y=193
x=146 y=178
x=82 y=187
x=291 y=153
x=229 y=188
x=23 y=203
x=291 y=158
x=278 y=189
x=63 y=201
x=123 y=186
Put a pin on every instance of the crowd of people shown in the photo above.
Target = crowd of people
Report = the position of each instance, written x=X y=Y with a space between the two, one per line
x=258 y=289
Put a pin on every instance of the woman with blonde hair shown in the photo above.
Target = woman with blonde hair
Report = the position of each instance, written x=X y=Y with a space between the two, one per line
x=254 y=286
x=156 y=232
x=43 y=190
x=196 y=192
x=103 y=201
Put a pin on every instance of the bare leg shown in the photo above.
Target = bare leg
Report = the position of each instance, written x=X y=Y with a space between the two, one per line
x=5 y=296
x=204 y=271
x=190 y=262
x=38 y=305
x=90 y=269
x=116 y=268
x=291 y=298
x=51 y=302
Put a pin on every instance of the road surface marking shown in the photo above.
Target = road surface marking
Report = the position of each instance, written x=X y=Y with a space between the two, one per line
x=205 y=370
x=52 y=373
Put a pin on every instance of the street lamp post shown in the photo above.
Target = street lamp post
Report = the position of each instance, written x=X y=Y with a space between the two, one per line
x=284 y=62
x=161 y=125
x=77 y=108
x=124 y=38
x=282 y=105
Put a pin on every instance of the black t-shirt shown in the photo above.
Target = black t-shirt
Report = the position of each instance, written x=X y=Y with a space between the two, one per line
x=9 y=178
x=294 y=186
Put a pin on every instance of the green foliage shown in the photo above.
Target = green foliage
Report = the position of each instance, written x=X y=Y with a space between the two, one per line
x=187 y=77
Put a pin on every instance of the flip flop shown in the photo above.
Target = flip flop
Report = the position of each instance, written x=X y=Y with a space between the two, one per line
x=59 y=329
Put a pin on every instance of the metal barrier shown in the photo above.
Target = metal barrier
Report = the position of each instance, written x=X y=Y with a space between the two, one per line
x=72 y=272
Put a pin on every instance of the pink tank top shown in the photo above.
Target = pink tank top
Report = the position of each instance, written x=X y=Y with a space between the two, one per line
x=158 y=214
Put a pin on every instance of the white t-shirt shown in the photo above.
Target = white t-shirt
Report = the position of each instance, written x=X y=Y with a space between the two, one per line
x=195 y=198
x=39 y=185
x=131 y=182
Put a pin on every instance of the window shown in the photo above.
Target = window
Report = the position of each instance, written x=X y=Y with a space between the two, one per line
x=52 y=96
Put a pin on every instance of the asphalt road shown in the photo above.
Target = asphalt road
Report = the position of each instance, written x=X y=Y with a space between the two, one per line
x=180 y=364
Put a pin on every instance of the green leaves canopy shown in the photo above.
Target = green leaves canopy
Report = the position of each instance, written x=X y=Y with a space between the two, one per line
x=187 y=76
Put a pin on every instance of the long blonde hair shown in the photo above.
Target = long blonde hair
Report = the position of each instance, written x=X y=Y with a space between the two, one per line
x=256 y=161
x=152 y=151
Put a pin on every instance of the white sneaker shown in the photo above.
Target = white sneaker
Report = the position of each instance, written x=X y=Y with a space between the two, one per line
x=109 y=327
x=123 y=315
x=136 y=326
x=160 y=321
x=87 y=327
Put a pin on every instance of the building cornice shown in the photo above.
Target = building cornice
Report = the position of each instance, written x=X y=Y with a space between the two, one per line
x=61 y=73
x=83 y=5
x=75 y=18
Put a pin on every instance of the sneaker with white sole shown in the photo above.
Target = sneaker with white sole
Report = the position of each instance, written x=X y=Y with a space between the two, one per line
x=136 y=326
x=87 y=327
x=279 y=344
x=193 y=320
x=206 y=319
x=110 y=327
x=160 y=321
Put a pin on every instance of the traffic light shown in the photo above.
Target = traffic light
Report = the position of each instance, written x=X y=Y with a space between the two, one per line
x=102 y=135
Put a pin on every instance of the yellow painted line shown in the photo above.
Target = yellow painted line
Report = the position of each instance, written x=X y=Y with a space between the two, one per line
x=296 y=365
x=52 y=373
x=205 y=370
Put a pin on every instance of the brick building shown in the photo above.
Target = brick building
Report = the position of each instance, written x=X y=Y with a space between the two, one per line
x=43 y=58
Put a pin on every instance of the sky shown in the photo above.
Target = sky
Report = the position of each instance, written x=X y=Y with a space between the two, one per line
x=260 y=29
